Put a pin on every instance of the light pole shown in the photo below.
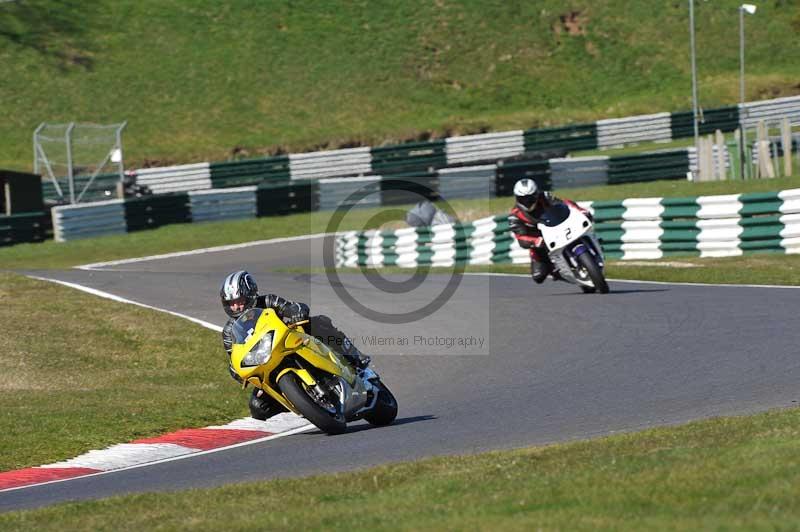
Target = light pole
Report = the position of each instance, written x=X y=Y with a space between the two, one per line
x=751 y=9
x=694 y=81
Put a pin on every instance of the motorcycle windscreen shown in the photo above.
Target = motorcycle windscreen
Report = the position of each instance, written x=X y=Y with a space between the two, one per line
x=555 y=215
x=245 y=326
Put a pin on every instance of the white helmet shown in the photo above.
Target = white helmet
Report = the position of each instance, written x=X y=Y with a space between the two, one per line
x=527 y=194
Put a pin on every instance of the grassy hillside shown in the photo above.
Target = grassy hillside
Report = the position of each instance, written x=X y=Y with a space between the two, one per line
x=203 y=80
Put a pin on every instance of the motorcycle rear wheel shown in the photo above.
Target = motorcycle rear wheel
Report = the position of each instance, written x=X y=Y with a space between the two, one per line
x=296 y=393
x=595 y=273
x=385 y=410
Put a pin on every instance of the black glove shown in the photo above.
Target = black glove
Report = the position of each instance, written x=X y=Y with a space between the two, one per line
x=518 y=226
x=295 y=312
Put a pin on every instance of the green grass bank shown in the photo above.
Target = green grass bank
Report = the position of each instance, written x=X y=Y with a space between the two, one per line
x=205 y=81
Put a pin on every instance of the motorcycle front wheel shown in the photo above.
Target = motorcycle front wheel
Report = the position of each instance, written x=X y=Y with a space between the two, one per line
x=385 y=407
x=586 y=260
x=323 y=418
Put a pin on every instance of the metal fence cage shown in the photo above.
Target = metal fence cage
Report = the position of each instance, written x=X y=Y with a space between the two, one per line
x=71 y=157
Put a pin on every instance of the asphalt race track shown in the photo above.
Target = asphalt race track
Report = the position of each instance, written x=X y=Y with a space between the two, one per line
x=555 y=365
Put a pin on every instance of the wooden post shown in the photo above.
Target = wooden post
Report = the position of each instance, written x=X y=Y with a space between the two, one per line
x=773 y=151
x=736 y=155
x=749 y=171
x=761 y=134
x=786 y=141
x=765 y=169
x=701 y=159
x=720 y=143
x=708 y=157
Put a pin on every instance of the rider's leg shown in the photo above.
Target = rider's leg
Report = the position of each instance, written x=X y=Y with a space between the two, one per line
x=540 y=264
x=321 y=327
x=262 y=406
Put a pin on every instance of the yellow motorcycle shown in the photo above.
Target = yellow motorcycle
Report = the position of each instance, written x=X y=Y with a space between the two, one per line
x=305 y=376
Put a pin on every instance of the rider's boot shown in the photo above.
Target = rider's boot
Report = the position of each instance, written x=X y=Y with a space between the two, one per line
x=540 y=270
x=540 y=265
x=263 y=407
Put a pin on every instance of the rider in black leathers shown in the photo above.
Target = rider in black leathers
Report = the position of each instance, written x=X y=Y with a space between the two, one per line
x=239 y=292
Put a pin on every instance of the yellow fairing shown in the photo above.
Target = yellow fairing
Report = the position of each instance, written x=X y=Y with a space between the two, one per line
x=303 y=374
x=285 y=342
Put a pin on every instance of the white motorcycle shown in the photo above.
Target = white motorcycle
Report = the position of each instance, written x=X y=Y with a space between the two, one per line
x=573 y=248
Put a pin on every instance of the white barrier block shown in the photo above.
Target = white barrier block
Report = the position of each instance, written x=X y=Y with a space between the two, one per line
x=179 y=178
x=485 y=146
x=791 y=200
x=642 y=209
x=320 y=164
x=642 y=251
x=642 y=232
x=791 y=226
x=726 y=206
x=618 y=131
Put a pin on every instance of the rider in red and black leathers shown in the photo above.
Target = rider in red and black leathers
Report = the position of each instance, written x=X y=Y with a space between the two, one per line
x=239 y=292
x=523 y=221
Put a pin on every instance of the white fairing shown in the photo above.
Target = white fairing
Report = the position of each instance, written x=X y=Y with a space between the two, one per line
x=575 y=227
x=568 y=231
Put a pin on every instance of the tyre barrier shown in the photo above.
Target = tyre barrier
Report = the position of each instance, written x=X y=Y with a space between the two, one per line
x=640 y=228
x=23 y=227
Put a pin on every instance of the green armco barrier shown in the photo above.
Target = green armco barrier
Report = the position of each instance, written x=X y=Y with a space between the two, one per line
x=566 y=138
x=400 y=189
x=607 y=210
x=648 y=167
x=103 y=187
x=759 y=203
x=408 y=157
x=149 y=212
x=250 y=172
x=723 y=118
x=679 y=208
x=23 y=227
x=287 y=198
x=509 y=172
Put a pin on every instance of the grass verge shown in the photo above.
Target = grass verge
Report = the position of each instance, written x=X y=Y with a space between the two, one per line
x=78 y=372
x=767 y=268
x=241 y=79
x=180 y=237
x=740 y=472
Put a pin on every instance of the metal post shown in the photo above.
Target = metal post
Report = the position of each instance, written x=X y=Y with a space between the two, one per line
x=35 y=151
x=743 y=113
x=121 y=164
x=741 y=54
x=70 y=176
x=743 y=143
x=694 y=76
